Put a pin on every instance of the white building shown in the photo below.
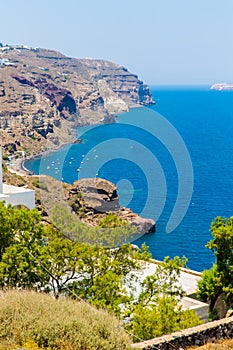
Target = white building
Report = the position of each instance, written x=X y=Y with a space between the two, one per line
x=188 y=281
x=15 y=195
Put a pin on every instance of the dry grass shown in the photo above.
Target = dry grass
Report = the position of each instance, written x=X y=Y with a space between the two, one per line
x=226 y=344
x=30 y=318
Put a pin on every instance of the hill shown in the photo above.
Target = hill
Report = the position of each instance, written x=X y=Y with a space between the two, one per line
x=31 y=320
x=43 y=94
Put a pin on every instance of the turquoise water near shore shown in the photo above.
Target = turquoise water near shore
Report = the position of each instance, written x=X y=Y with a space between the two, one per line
x=204 y=120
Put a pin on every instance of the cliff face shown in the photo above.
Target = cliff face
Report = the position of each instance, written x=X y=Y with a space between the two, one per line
x=99 y=197
x=43 y=93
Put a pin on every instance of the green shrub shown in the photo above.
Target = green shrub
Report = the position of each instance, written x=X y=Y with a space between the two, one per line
x=164 y=318
x=40 y=184
x=112 y=221
x=61 y=324
x=28 y=345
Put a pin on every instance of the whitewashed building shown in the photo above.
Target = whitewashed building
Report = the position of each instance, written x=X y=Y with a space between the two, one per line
x=15 y=195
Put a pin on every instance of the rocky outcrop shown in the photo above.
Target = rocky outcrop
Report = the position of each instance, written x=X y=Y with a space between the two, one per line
x=143 y=225
x=61 y=92
x=97 y=197
x=61 y=98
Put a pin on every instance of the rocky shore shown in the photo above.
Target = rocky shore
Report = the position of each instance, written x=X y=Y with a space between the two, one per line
x=97 y=197
x=90 y=199
x=44 y=95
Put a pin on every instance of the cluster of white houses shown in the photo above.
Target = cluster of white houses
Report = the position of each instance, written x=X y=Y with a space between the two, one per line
x=15 y=195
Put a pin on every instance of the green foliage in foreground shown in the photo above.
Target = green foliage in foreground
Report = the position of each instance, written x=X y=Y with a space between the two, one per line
x=35 y=256
x=111 y=232
x=112 y=221
x=157 y=311
x=57 y=324
x=163 y=318
x=218 y=281
x=39 y=257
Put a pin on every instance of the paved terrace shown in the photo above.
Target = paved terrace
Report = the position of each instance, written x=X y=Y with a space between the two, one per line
x=188 y=280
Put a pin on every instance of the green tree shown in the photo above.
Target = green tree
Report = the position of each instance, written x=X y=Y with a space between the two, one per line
x=219 y=279
x=157 y=310
x=111 y=221
x=21 y=246
x=103 y=272
x=16 y=224
x=40 y=257
x=112 y=231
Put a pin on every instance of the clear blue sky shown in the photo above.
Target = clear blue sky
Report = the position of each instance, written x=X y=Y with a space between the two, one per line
x=163 y=41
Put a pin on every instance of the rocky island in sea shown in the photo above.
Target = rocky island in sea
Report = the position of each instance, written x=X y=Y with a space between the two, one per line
x=44 y=94
x=222 y=86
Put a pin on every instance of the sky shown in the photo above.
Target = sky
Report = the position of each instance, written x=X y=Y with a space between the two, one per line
x=178 y=42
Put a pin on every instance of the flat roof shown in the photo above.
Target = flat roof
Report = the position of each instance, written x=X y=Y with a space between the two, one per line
x=9 y=189
x=188 y=278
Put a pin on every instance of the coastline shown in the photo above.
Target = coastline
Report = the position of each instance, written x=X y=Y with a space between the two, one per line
x=18 y=167
x=22 y=170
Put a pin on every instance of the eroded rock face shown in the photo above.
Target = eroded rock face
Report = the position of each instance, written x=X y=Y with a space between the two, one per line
x=61 y=98
x=144 y=225
x=62 y=92
x=98 y=197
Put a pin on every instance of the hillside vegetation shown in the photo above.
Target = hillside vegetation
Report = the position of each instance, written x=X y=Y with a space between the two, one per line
x=30 y=320
x=39 y=257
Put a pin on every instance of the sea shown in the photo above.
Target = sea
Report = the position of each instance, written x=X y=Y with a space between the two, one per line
x=172 y=161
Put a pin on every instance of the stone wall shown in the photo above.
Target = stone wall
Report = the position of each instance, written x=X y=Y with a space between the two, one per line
x=195 y=336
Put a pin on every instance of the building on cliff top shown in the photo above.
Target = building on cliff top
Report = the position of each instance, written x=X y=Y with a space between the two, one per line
x=15 y=195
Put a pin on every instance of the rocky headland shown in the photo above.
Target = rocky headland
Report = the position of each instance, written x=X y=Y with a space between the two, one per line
x=96 y=197
x=44 y=95
x=90 y=199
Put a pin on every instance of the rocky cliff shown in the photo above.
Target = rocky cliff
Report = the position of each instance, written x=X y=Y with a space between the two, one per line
x=44 y=93
x=97 y=197
x=90 y=199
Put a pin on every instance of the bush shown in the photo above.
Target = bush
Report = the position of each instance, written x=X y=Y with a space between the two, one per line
x=61 y=324
x=112 y=221
x=164 y=318
x=40 y=184
x=28 y=345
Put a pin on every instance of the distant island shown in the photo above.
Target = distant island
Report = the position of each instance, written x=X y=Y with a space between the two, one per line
x=222 y=86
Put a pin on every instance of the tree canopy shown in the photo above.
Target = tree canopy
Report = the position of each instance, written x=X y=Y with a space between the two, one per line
x=39 y=256
x=157 y=310
x=218 y=281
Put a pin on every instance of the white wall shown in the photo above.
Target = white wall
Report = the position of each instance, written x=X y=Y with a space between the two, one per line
x=19 y=195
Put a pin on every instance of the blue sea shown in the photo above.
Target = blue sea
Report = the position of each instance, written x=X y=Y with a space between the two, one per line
x=172 y=162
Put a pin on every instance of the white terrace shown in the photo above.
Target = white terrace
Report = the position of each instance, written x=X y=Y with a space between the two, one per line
x=15 y=195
